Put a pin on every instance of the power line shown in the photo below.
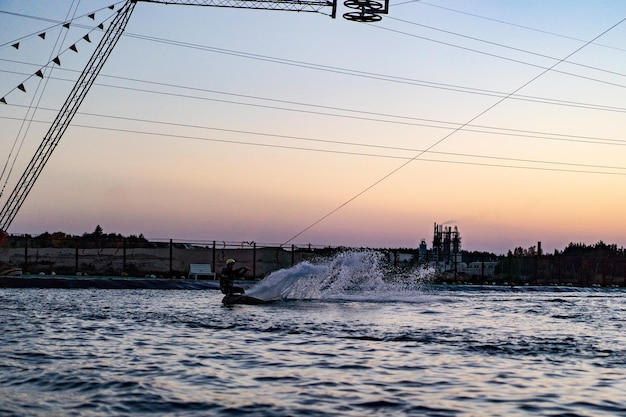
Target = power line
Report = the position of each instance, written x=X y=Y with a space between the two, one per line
x=570 y=138
x=336 y=142
x=505 y=46
x=400 y=117
x=389 y=78
x=365 y=74
x=352 y=153
x=405 y=120
x=411 y=121
x=392 y=78
x=499 y=131
x=382 y=77
x=500 y=56
x=455 y=126
x=401 y=166
x=545 y=32
x=362 y=115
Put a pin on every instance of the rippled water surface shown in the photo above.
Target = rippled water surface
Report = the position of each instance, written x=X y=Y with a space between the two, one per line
x=428 y=351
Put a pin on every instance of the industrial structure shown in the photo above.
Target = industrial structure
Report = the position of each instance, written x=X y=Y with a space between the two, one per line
x=445 y=254
x=446 y=251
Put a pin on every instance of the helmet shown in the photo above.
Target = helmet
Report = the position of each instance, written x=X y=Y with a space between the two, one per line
x=230 y=261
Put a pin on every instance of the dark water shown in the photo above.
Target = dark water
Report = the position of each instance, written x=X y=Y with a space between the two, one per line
x=373 y=350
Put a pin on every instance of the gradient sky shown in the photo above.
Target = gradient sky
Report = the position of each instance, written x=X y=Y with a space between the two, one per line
x=227 y=124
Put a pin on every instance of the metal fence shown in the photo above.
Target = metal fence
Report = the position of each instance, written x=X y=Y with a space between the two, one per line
x=140 y=257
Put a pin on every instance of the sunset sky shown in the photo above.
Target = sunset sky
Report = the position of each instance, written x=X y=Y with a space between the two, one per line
x=506 y=119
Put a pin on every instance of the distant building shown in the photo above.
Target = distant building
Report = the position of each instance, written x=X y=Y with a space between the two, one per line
x=401 y=259
x=479 y=269
x=423 y=252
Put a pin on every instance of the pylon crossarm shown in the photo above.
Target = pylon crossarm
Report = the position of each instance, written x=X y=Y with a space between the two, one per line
x=314 y=6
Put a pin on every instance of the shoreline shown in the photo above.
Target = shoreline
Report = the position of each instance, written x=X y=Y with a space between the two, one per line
x=47 y=281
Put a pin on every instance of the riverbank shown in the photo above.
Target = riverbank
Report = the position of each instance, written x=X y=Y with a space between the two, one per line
x=47 y=281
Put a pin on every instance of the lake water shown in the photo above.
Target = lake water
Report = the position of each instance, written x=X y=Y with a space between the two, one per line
x=341 y=338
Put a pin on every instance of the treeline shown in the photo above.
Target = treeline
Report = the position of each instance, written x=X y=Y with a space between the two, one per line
x=577 y=264
x=99 y=239
x=95 y=239
x=574 y=249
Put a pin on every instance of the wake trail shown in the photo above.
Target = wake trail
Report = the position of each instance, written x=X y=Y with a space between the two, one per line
x=354 y=275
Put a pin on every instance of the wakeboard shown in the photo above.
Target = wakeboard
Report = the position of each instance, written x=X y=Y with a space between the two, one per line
x=230 y=299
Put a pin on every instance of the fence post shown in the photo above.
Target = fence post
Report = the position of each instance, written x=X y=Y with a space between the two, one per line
x=213 y=255
x=171 y=256
x=253 y=260
x=482 y=267
x=510 y=256
x=25 y=253
x=123 y=255
x=293 y=255
x=76 y=257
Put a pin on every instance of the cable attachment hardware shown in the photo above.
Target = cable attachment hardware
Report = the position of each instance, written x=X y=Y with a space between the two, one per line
x=368 y=10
